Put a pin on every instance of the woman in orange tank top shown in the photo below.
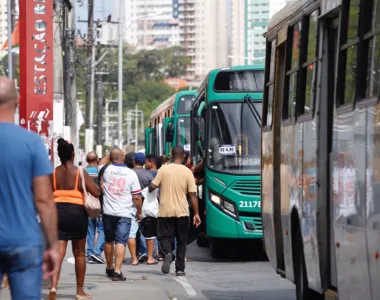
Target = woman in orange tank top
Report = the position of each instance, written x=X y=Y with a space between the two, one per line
x=72 y=217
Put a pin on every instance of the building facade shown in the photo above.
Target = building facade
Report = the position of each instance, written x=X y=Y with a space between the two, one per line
x=3 y=22
x=204 y=29
x=152 y=24
x=249 y=21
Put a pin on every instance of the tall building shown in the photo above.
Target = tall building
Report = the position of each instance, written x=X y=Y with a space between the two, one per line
x=204 y=35
x=3 y=22
x=249 y=20
x=152 y=24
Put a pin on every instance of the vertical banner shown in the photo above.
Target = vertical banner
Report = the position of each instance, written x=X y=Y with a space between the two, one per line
x=36 y=68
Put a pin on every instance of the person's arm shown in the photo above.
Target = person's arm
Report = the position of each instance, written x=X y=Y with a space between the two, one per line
x=43 y=198
x=199 y=181
x=192 y=191
x=136 y=194
x=105 y=160
x=91 y=186
x=156 y=181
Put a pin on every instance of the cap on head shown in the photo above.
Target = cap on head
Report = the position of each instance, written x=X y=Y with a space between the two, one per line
x=139 y=159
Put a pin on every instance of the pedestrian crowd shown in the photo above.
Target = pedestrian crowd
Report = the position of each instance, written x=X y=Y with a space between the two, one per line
x=143 y=204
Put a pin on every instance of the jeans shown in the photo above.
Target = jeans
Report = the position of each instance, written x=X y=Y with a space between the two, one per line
x=143 y=249
x=23 y=265
x=95 y=225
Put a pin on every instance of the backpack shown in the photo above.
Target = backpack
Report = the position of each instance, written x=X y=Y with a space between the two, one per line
x=100 y=175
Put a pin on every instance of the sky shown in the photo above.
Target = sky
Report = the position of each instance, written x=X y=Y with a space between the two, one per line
x=102 y=8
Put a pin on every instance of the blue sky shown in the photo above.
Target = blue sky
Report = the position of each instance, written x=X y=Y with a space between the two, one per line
x=102 y=8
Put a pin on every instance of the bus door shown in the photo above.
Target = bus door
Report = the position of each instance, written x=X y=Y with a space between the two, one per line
x=168 y=135
x=149 y=140
x=278 y=98
x=332 y=44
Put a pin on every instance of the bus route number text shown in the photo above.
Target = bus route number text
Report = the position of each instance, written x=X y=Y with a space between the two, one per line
x=227 y=150
x=249 y=204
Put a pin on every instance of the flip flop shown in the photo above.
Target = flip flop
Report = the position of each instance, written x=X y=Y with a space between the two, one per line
x=135 y=264
x=188 y=260
x=87 y=297
x=155 y=263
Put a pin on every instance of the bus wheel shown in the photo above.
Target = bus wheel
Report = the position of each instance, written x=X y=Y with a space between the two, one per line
x=302 y=286
x=216 y=248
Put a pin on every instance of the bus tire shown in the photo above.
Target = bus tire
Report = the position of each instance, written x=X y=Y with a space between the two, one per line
x=300 y=274
x=216 y=248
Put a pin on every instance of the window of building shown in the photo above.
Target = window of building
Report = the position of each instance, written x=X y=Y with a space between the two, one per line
x=348 y=53
x=290 y=99
x=372 y=40
x=269 y=83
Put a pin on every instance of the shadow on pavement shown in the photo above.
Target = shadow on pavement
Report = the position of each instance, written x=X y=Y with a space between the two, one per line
x=283 y=294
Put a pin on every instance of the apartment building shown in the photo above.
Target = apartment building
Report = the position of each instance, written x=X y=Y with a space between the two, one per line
x=3 y=22
x=249 y=21
x=204 y=29
x=152 y=24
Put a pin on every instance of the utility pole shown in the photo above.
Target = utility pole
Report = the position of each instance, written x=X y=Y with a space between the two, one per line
x=99 y=135
x=120 y=75
x=136 y=128
x=69 y=74
x=10 y=60
x=58 y=103
x=90 y=78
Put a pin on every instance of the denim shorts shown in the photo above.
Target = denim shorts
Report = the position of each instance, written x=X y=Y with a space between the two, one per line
x=134 y=228
x=23 y=265
x=116 y=229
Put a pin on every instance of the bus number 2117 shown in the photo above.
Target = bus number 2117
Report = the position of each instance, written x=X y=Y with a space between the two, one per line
x=249 y=204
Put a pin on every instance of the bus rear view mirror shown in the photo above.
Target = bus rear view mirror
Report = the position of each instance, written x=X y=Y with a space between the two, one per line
x=170 y=133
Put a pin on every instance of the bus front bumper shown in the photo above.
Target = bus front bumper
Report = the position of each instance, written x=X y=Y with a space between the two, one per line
x=221 y=225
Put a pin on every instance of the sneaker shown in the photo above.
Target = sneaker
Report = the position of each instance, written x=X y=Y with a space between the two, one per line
x=90 y=260
x=167 y=262
x=98 y=259
x=180 y=273
x=110 y=273
x=143 y=258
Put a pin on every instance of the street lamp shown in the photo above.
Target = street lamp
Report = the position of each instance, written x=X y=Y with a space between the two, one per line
x=120 y=73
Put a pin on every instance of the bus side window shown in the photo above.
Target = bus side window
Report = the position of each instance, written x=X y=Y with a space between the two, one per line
x=372 y=40
x=290 y=99
x=309 y=66
x=269 y=83
x=348 y=51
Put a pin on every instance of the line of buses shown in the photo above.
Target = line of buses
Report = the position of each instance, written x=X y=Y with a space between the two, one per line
x=301 y=141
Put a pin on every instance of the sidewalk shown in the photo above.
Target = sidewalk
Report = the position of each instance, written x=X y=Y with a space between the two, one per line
x=142 y=283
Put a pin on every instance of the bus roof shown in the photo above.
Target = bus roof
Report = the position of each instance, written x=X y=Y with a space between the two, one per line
x=170 y=102
x=287 y=13
x=213 y=73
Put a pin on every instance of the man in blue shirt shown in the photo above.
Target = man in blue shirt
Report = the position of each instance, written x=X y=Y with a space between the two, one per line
x=94 y=248
x=26 y=185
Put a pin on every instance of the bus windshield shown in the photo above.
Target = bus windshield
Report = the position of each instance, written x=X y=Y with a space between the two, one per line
x=185 y=103
x=183 y=133
x=234 y=145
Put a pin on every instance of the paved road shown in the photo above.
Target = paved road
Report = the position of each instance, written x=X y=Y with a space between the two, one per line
x=206 y=279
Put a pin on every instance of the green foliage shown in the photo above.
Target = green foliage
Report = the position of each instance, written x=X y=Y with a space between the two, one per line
x=143 y=75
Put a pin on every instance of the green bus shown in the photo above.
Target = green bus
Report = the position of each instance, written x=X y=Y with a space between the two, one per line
x=170 y=124
x=226 y=136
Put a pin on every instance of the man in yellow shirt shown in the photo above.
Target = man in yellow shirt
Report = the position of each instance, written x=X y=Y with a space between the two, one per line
x=176 y=182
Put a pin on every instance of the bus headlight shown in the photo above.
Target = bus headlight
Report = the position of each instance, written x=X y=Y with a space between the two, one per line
x=223 y=204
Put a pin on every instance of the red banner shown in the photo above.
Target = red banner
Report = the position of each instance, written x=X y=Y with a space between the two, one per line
x=36 y=68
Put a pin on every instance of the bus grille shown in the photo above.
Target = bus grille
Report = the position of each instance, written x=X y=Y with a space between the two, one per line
x=247 y=187
x=258 y=224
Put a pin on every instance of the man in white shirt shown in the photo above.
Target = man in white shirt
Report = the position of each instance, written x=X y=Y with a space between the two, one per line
x=121 y=198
